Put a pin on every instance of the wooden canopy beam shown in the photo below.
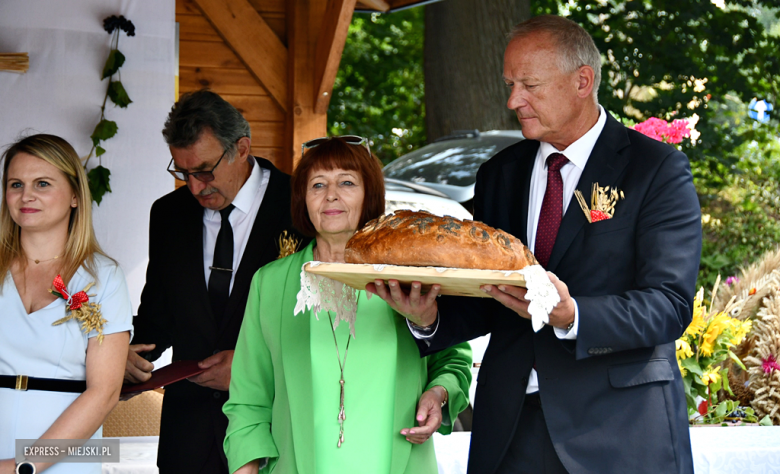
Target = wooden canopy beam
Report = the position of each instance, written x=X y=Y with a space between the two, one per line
x=253 y=41
x=406 y=3
x=330 y=45
x=380 y=5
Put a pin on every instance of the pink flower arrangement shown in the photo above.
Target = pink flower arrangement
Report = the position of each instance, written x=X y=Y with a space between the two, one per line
x=731 y=280
x=664 y=131
x=770 y=364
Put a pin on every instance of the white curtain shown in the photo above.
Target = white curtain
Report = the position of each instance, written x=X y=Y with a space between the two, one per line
x=62 y=92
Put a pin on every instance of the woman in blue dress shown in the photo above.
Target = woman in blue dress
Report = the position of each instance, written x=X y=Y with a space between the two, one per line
x=58 y=379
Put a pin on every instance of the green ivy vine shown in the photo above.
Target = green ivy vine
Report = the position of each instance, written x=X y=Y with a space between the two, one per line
x=99 y=177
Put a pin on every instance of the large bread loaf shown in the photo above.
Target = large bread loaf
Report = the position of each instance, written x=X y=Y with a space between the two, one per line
x=423 y=239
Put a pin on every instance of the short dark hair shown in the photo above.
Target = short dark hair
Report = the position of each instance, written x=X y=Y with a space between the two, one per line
x=337 y=154
x=201 y=110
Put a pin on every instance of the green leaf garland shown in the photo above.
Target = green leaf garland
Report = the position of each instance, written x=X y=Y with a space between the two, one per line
x=99 y=177
x=118 y=94
x=113 y=63
x=99 y=185
x=104 y=130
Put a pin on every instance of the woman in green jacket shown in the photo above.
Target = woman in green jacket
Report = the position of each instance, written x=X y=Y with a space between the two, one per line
x=308 y=398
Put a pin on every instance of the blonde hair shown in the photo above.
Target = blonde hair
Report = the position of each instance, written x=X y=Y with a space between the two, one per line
x=81 y=245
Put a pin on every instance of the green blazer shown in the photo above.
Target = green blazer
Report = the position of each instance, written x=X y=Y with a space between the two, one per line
x=271 y=381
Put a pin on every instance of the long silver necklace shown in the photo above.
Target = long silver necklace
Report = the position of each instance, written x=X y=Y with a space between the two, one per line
x=342 y=414
x=342 y=365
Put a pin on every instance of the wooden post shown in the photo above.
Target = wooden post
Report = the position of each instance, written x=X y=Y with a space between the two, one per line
x=303 y=123
x=330 y=45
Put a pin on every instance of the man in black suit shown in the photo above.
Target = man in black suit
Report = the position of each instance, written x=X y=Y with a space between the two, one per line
x=206 y=241
x=597 y=390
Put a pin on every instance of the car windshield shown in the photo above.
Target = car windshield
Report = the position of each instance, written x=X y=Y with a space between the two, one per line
x=454 y=162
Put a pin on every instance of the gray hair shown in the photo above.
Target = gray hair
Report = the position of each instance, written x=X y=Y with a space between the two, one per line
x=574 y=45
x=201 y=110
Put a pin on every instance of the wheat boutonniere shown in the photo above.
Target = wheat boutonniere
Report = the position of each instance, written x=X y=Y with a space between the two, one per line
x=288 y=245
x=602 y=202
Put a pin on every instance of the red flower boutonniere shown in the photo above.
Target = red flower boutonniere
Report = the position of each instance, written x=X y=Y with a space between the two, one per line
x=78 y=307
x=602 y=202
x=73 y=301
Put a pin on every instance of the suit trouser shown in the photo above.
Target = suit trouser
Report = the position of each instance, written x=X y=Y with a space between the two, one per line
x=214 y=463
x=531 y=450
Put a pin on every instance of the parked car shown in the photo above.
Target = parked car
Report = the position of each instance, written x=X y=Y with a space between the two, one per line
x=450 y=164
x=405 y=195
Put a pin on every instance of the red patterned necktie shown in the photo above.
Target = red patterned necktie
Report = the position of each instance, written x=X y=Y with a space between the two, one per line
x=552 y=209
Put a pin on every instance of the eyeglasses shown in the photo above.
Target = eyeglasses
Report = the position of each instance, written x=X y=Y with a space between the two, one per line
x=349 y=139
x=203 y=176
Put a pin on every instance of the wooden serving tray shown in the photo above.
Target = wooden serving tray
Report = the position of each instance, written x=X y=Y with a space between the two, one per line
x=453 y=281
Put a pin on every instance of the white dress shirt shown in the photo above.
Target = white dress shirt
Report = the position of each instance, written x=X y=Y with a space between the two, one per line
x=578 y=154
x=247 y=203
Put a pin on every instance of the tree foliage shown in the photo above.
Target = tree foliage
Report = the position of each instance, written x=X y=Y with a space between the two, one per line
x=665 y=61
x=662 y=58
x=379 y=89
x=710 y=59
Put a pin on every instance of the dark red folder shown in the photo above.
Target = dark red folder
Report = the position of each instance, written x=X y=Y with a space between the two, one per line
x=167 y=375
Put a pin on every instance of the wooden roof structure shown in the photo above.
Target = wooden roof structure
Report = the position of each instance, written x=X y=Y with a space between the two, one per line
x=385 y=6
x=274 y=60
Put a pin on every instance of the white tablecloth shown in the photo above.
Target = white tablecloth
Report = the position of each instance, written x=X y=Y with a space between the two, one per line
x=137 y=455
x=716 y=450
x=734 y=450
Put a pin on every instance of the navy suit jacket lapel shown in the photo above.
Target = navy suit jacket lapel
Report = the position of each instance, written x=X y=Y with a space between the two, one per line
x=605 y=166
x=517 y=181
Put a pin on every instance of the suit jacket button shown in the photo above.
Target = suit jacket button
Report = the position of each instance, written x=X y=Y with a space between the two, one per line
x=217 y=395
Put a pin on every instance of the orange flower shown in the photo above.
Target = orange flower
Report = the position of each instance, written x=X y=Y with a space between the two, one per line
x=697 y=322
x=740 y=329
x=715 y=327
x=710 y=376
x=683 y=372
x=683 y=349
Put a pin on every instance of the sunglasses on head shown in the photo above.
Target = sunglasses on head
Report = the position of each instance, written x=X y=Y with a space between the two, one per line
x=349 y=139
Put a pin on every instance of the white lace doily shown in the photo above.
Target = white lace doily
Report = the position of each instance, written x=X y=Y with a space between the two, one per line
x=320 y=293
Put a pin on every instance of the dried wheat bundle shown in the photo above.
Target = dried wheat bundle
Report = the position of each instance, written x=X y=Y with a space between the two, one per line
x=751 y=300
x=742 y=392
x=742 y=306
x=288 y=245
x=751 y=278
x=90 y=317
x=14 y=62
x=763 y=363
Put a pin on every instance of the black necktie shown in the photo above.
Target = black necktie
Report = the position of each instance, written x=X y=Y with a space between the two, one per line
x=222 y=265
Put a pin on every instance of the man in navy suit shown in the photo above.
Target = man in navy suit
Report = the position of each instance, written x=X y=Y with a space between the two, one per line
x=597 y=390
